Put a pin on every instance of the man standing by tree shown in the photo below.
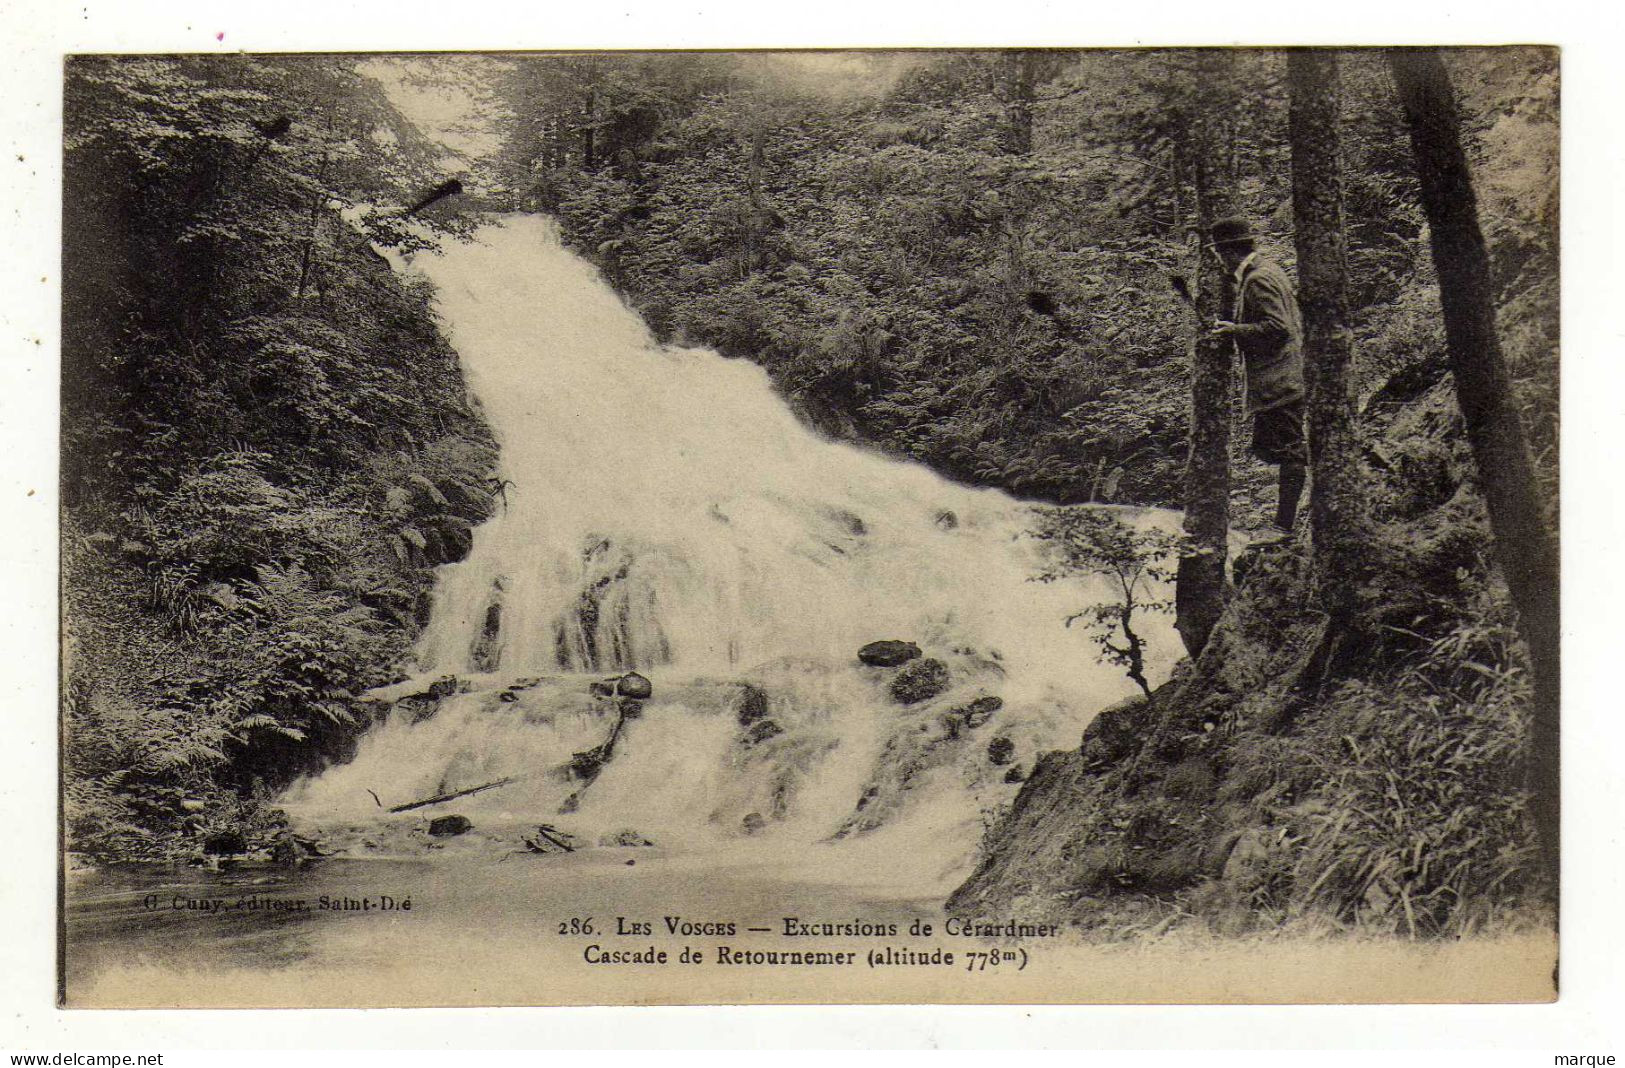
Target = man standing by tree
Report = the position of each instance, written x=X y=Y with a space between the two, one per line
x=1268 y=334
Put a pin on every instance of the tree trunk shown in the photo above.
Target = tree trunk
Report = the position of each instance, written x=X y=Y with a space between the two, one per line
x=589 y=130
x=1200 y=585
x=758 y=216
x=1526 y=549
x=1019 y=92
x=1337 y=503
x=310 y=228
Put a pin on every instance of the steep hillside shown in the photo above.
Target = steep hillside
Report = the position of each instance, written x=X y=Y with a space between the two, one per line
x=267 y=446
x=1287 y=783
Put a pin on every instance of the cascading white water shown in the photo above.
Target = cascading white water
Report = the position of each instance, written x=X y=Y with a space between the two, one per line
x=669 y=513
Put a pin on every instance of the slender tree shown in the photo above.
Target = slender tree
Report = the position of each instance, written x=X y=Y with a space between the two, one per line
x=1527 y=551
x=1020 y=72
x=1338 y=511
x=1200 y=585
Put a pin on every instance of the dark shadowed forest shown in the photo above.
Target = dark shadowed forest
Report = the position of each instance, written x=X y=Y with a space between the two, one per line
x=267 y=445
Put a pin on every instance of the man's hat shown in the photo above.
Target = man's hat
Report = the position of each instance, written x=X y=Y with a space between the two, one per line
x=1229 y=231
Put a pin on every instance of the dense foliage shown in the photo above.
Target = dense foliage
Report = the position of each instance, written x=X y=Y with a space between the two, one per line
x=266 y=444
x=1266 y=792
x=965 y=257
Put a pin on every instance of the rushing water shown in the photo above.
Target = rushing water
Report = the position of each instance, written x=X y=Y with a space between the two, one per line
x=668 y=513
x=727 y=532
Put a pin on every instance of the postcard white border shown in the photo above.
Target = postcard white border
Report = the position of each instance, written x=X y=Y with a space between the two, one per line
x=1586 y=1019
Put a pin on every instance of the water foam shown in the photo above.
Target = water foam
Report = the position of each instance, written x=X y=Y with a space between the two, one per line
x=669 y=513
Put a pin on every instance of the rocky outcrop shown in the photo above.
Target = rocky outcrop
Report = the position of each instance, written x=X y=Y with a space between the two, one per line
x=888 y=653
x=1295 y=772
x=919 y=681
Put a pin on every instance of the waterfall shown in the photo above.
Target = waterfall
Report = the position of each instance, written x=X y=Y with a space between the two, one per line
x=668 y=513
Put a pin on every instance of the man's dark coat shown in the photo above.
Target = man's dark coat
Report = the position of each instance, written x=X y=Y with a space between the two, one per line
x=1269 y=335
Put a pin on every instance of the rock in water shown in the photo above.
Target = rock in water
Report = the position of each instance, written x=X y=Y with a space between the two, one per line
x=752 y=705
x=753 y=822
x=920 y=681
x=448 y=826
x=634 y=686
x=888 y=653
x=1000 y=750
x=587 y=764
x=980 y=710
x=762 y=730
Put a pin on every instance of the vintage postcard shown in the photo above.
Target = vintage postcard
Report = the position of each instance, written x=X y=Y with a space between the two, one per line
x=1003 y=526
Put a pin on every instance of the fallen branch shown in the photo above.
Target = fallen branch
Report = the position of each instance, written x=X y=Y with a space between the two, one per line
x=454 y=794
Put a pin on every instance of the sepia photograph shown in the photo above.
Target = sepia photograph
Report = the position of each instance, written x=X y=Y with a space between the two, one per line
x=911 y=526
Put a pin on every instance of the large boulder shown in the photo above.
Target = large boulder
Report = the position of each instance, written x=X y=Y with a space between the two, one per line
x=920 y=681
x=889 y=653
x=450 y=826
x=634 y=686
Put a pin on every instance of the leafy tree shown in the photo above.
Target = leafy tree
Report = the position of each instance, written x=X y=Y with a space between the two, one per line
x=1087 y=543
